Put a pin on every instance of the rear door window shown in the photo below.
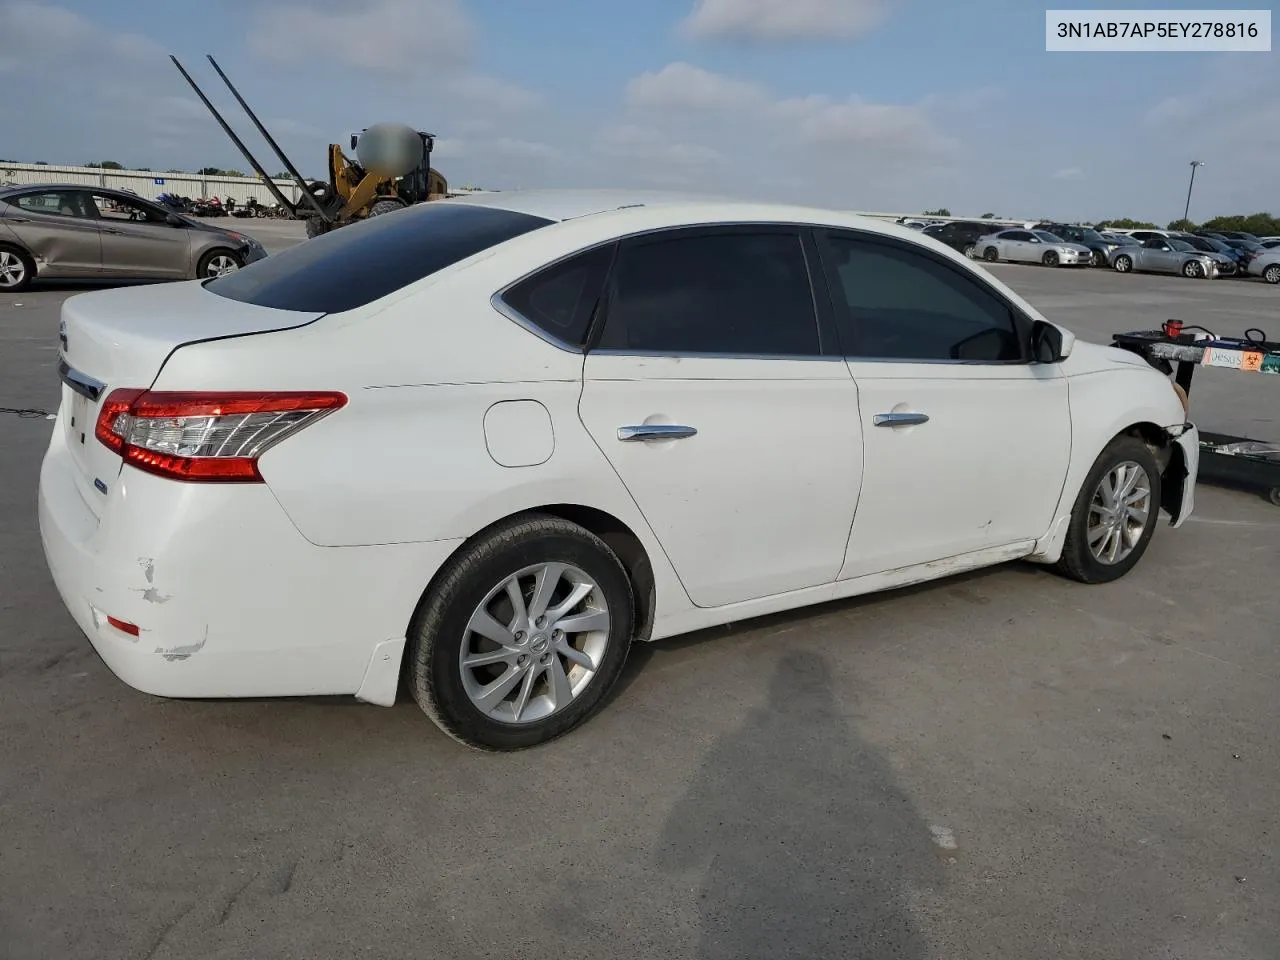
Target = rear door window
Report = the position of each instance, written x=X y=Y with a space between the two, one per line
x=363 y=262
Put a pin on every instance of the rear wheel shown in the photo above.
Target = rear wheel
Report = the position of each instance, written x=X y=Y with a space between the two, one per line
x=990 y=255
x=1123 y=263
x=1050 y=258
x=16 y=269
x=1272 y=273
x=523 y=635
x=1115 y=514
x=969 y=249
x=218 y=263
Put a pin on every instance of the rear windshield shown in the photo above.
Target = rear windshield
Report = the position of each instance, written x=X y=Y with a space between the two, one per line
x=358 y=264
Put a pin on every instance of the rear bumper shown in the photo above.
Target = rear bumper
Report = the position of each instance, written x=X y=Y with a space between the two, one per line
x=229 y=599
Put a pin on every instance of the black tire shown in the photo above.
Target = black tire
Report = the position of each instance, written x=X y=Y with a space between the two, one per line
x=202 y=268
x=385 y=206
x=1272 y=273
x=1077 y=560
x=440 y=624
x=1123 y=263
x=24 y=263
x=1274 y=496
x=990 y=255
x=316 y=227
x=1192 y=270
x=1050 y=258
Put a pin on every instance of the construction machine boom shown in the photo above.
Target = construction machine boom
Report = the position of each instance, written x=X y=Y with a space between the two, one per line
x=392 y=169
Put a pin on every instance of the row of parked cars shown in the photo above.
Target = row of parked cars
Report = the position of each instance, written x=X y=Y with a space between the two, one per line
x=1202 y=254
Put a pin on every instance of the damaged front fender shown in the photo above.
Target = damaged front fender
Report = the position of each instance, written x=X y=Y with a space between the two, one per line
x=1178 y=482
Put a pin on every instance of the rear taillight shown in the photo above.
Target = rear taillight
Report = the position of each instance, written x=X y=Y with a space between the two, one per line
x=205 y=436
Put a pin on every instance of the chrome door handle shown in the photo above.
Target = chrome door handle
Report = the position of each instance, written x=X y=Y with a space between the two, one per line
x=899 y=419
x=655 y=431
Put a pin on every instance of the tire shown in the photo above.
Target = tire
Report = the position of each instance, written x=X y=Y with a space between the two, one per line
x=969 y=250
x=17 y=269
x=1050 y=259
x=475 y=579
x=384 y=206
x=1192 y=270
x=218 y=263
x=990 y=255
x=1079 y=561
x=316 y=227
x=1123 y=263
x=1272 y=273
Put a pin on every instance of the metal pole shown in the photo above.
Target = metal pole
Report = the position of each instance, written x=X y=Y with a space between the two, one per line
x=1186 y=212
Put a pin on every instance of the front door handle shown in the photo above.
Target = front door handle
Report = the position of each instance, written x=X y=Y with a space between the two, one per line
x=655 y=431
x=899 y=419
x=19 y=219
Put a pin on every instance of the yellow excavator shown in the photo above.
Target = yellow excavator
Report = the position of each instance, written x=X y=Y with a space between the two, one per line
x=392 y=169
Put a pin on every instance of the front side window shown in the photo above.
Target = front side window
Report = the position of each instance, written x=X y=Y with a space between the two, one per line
x=728 y=293
x=895 y=303
x=118 y=208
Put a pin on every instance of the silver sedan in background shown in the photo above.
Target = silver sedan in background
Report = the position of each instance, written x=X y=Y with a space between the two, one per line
x=1033 y=246
x=1165 y=255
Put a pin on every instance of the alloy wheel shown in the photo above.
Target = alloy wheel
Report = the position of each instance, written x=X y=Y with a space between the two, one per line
x=1119 y=512
x=221 y=265
x=12 y=270
x=534 y=643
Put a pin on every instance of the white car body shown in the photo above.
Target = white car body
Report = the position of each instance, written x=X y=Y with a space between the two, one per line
x=460 y=414
x=1030 y=246
x=1267 y=266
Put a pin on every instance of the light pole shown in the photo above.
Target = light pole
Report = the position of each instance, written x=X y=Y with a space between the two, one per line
x=1186 y=212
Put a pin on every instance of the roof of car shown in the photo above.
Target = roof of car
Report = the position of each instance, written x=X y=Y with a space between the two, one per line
x=23 y=187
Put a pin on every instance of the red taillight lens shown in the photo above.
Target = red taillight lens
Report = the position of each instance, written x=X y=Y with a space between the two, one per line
x=205 y=436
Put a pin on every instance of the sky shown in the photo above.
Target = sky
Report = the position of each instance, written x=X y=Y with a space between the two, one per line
x=871 y=105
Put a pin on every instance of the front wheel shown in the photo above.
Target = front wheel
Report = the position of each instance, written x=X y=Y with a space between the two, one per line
x=1272 y=273
x=1192 y=270
x=1115 y=514
x=990 y=255
x=1050 y=258
x=523 y=635
x=217 y=263
x=1123 y=263
x=384 y=206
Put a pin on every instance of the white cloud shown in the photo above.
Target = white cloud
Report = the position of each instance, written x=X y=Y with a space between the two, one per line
x=1068 y=173
x=397 y=37
x=783 y=20
x=491 y=94
x=683 y=86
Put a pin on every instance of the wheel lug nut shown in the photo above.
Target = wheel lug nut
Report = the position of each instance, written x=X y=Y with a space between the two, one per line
x=544 y=658
x=541 y=621
x=521 y=660
x=519 y=636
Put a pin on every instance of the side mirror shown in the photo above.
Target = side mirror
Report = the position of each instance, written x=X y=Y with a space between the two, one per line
x=1049 y=343
x=174 y=220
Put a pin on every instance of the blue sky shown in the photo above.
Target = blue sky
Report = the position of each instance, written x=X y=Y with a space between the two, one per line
x=883 y=105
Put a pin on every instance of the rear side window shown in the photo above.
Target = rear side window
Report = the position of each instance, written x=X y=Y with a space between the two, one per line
x=358 y=264
x=728 y=293
x=560 y=300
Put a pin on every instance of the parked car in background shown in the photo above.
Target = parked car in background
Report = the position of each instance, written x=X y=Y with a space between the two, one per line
x=637 y=432
x=1085 y=236
x=1033 y=246
x=1165 y=255
x=960 y=235
x=79 y=232
x=1229 y=234
x=1269 y=243
x=1226 y=258
x=1266 y=265
x=1249 y=250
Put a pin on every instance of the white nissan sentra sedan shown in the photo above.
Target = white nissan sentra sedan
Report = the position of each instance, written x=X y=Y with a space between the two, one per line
x=484 y=445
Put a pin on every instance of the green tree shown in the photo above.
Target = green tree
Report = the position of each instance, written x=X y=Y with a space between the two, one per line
x=1124 y=223
x=1261 y=224
x=175 y=170
x=111 y=165
x=232 y=173
x=209 y=172
x=940 y=212
x=1186 y=226
x=988 y=216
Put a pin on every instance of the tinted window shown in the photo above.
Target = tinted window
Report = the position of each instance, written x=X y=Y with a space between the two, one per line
x=716 y=293
x=560 y=300
x=355 y=265
x=1180 y=245
x=901 y=304
x=1048 y=237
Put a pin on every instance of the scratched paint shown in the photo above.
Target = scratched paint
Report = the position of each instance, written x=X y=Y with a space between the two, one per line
x=173 y=654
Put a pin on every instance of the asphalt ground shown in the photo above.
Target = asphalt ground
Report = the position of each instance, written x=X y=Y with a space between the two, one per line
x=1001 y=765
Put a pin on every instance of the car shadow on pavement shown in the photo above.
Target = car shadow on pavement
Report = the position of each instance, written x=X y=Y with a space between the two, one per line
x=805 y=845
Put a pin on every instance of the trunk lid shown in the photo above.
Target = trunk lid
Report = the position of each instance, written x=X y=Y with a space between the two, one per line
x=121 y=338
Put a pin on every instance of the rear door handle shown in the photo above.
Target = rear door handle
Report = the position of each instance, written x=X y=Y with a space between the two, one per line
x=899 y=419
x=655 y=431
